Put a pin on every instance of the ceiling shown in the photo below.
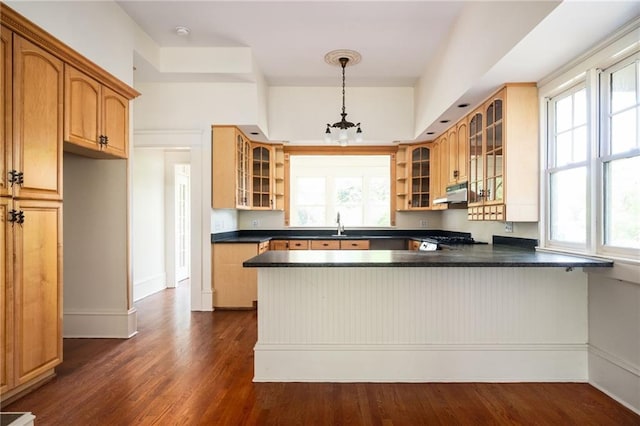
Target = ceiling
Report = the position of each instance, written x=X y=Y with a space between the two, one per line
x=398 y=40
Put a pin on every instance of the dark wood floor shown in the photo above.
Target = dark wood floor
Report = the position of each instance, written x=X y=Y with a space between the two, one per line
x=196 y=368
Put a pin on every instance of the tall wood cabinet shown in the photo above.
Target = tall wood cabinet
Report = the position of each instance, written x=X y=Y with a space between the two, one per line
x=32 y=126
x=96 y=117
x=31 y=209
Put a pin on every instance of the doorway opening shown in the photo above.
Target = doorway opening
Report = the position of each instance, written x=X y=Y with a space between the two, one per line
x=182 y=224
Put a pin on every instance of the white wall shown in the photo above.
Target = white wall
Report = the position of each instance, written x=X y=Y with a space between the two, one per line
x=101 y=31
x=300 y=114
x=456 y=220
x=614 y=332
x=466 y=57
x=96 y=249
x=148 y=226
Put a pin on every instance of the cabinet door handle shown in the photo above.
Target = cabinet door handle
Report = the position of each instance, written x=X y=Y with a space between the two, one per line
x=16 y=216
x=16 y=177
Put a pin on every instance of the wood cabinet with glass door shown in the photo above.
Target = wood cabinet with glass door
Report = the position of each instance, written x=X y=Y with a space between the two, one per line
x=419 y=158
x=96 y=117
x=503 y=156
x=230 y=159
x=262 y=177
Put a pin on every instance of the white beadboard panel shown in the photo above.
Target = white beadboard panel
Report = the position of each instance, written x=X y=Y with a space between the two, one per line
x=420 y=363
x=422 y=306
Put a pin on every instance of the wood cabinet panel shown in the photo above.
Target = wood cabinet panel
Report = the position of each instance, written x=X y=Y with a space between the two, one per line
x=6 y=89
x=234 y=285
x=37 y=120
x=115 y=123
x=6 y=296
x=38 y=288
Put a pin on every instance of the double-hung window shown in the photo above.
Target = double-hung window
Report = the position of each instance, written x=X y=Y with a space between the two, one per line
x=619 y=154
x=592 y=163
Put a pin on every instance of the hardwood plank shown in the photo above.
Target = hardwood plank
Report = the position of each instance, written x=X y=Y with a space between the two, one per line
x=196 y=368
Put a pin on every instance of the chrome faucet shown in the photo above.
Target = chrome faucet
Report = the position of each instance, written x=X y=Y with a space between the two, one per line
x=340 y=226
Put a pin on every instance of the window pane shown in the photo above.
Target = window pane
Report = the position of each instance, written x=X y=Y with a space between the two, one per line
x=563 y=149
x=356 y=186
x=569 y=205
x=580 y=108
x=580 y=144
x=624 y=136
x=624 y=88
x=563 y=114
x=622 y=203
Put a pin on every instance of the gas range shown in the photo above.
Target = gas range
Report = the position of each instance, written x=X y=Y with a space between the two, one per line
x=439 y=242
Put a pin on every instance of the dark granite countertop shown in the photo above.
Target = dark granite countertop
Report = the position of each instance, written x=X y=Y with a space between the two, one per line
x=464 y=256
x=258 y=236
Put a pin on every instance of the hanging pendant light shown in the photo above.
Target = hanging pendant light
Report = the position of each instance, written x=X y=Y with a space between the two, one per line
x=343 y=132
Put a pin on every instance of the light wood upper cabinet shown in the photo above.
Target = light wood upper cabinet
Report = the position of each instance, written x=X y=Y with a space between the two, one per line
x=458 y=160
x=419 y=158
x=503 y=156
x=243 y=177
x=6 y=89
x=96 y=117
x=245 y=174
x=230 y=168
x=38 y=79
x=262 y=175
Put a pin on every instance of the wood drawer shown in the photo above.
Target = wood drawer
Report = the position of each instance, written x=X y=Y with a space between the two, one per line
x=414 y=245
x=325 y=245
x=298 y=245
x=279 y=245
x=354 y=244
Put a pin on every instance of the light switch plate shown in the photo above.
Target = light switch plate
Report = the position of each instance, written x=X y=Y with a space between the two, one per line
x=508 y=227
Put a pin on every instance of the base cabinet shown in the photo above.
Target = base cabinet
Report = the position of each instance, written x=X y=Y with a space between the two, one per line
x=31 y=291
x=235 y=287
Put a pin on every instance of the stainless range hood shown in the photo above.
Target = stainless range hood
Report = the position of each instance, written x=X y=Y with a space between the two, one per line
x=455 y=194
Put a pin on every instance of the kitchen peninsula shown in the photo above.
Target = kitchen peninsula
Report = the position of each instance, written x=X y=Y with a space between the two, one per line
x=480 y=313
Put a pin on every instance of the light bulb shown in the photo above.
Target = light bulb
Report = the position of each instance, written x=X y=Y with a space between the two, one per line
x=344 y=136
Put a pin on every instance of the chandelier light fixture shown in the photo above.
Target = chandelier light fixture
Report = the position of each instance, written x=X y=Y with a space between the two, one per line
x=343 y=132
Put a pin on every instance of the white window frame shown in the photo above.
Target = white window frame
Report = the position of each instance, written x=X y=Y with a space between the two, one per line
x=550 y=167
x=587 y=69
x=604 y=156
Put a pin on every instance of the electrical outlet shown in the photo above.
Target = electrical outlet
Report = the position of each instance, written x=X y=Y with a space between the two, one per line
x=255 y=223
x=423 y=223
x=508 y=227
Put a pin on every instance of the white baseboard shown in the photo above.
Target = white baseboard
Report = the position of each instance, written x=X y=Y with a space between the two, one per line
x=119 y=325
x=149 y=286
x=615 y=377
x=421 y=363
